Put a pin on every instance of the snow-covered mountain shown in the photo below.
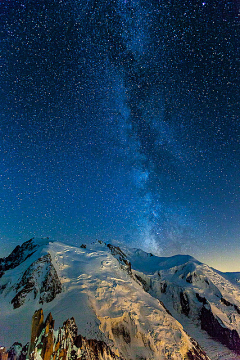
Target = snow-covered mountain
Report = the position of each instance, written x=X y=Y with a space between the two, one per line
x=127 y=303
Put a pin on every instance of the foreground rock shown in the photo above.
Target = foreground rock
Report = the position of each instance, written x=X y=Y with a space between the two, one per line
x=65 y=343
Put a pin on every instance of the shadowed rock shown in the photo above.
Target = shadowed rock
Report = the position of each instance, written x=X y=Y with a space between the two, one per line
x=212 y=325
x=31 y=282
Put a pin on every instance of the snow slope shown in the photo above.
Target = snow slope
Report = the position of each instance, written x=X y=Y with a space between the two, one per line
x=187 y=287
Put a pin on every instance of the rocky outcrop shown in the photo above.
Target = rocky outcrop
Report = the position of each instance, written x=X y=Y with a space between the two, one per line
x=196 y=353
x=201 y=299
x=32 y=282
x=17 y=256
x=93 y=350
x=184 y=303
x=120 y=331
x=51 y=285
x=24 y=352
x=145 y=284
x=3 y=353
x=215 y=328
x=227 y=303
x=163 y=287
x=47 y=341
x=16 y=352
x=37 y=326
x=121 y=257
x=65 y=343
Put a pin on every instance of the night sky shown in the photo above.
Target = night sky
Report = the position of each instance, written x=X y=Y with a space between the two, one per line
x=119 y=121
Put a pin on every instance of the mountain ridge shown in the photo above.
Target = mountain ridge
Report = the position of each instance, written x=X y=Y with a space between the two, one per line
x=120 y=288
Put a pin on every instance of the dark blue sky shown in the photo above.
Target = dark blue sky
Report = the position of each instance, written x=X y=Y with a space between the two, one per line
x=120 y=121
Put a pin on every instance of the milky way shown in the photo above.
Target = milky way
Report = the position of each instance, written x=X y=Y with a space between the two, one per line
x=120 y=121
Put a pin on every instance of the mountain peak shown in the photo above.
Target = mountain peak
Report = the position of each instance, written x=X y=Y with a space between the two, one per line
x=21 y=253
x=131 y=300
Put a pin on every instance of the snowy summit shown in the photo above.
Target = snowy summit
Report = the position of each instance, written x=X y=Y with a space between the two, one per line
x=138 y=305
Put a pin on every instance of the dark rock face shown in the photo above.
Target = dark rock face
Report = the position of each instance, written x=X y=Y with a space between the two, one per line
x=13 y=351
x=163 y=287
x=190 y=278
x=184 y=303
x=227 y=303
x=121 y=331
x=17 y=352
x=17 y=256
x=196 y=353
x=115 y=250
x=24 y=352
x=122 y=258
x=51 y=285
x=2 y=287
x=93 y=349
x=212 y=325
x=165 y=307
x=66 y=344
x=145 y=285
x=201 y=299
x=236 y=308
x=31 y=282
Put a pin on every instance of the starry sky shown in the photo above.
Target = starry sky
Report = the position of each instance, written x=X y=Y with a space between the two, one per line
x=119 y=121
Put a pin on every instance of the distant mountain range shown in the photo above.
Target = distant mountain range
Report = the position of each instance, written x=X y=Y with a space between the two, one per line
x=105 y=302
